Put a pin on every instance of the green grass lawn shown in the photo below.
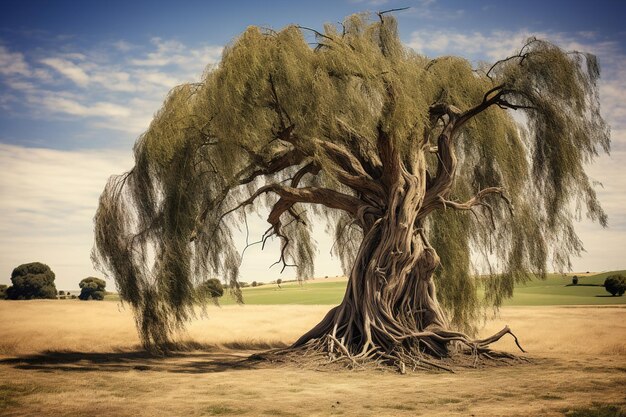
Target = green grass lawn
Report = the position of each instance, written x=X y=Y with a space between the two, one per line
x=293 y=293
x=557 y=290
x=554 y=290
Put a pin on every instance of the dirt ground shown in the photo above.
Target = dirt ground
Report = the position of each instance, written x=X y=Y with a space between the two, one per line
x=82 y=358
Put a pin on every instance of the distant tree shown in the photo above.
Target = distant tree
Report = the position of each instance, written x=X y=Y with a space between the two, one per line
x=575 y=280
x=211 y=288
x=92 y=288
x=278 y=282
x=61 y=292
x=3 y=291
x=32 y=280
x=415 y=163
x=615 y=284
x=254 y=283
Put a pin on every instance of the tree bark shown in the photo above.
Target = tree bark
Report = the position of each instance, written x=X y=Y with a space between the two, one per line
x=390 y=309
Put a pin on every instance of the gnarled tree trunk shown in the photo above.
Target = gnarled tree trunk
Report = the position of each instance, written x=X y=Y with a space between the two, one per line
x=390 y=308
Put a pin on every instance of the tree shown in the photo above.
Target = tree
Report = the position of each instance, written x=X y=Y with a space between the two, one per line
x=254 y=283
x=278 y=282
x=3 y=291
x=415 y=164
x=615 y=285
x=30 y=281
x=92 y=288
x=211 y=289
x=575 y=280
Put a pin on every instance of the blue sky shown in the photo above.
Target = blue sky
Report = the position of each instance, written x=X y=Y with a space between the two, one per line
x=79 y=81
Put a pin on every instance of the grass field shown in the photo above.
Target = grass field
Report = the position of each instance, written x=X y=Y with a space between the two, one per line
x=554 y=290
x=74 y=359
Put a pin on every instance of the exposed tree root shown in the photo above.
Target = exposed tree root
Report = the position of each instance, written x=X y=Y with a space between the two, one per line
x=463 y=352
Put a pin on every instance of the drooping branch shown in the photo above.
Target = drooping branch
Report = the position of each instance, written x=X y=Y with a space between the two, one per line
x=277 y=162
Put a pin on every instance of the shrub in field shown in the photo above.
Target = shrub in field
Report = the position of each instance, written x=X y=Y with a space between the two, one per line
x=92 y=288
x=615 y=284
x=32 y=280
x=575 y=280
x=211 y=288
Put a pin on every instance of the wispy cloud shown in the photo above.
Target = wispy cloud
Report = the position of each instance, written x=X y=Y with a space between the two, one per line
x=100 y=86
x=169 y=52
x=68 y=69
x=13 y=63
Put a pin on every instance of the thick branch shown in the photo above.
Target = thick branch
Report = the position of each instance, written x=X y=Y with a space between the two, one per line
x=477 y=200
x=439 y=186
x=349 y=171
x=367 y=157
x=314 y=195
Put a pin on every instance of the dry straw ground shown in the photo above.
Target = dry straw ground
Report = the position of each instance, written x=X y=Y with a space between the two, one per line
x=82 y=358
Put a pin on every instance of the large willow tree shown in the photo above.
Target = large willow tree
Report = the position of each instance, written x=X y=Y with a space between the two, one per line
x=420 y=166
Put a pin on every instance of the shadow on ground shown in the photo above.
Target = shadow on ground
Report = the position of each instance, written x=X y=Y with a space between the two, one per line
x=206 y=360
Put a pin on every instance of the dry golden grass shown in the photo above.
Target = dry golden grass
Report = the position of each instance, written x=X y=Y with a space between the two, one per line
x=82 y=358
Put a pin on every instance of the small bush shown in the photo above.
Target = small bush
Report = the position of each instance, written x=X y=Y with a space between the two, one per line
x=574 y=280
x=3 y=291
x=615 y=285
x=254 y=283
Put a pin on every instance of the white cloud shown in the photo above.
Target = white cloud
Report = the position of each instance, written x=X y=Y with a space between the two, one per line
x=98 y=109
x=107 y=80
x=494 y=45
x=13 y=63
x=68 y=69
x=170 y=52
x=160 y=78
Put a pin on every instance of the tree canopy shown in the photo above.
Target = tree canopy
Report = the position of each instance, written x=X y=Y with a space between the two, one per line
x=418 y=166
x=615 y=284
x=92 y=288
x=210 y=289
x=32 y=280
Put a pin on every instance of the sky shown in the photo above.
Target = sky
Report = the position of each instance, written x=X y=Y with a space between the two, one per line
x=80 y=81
